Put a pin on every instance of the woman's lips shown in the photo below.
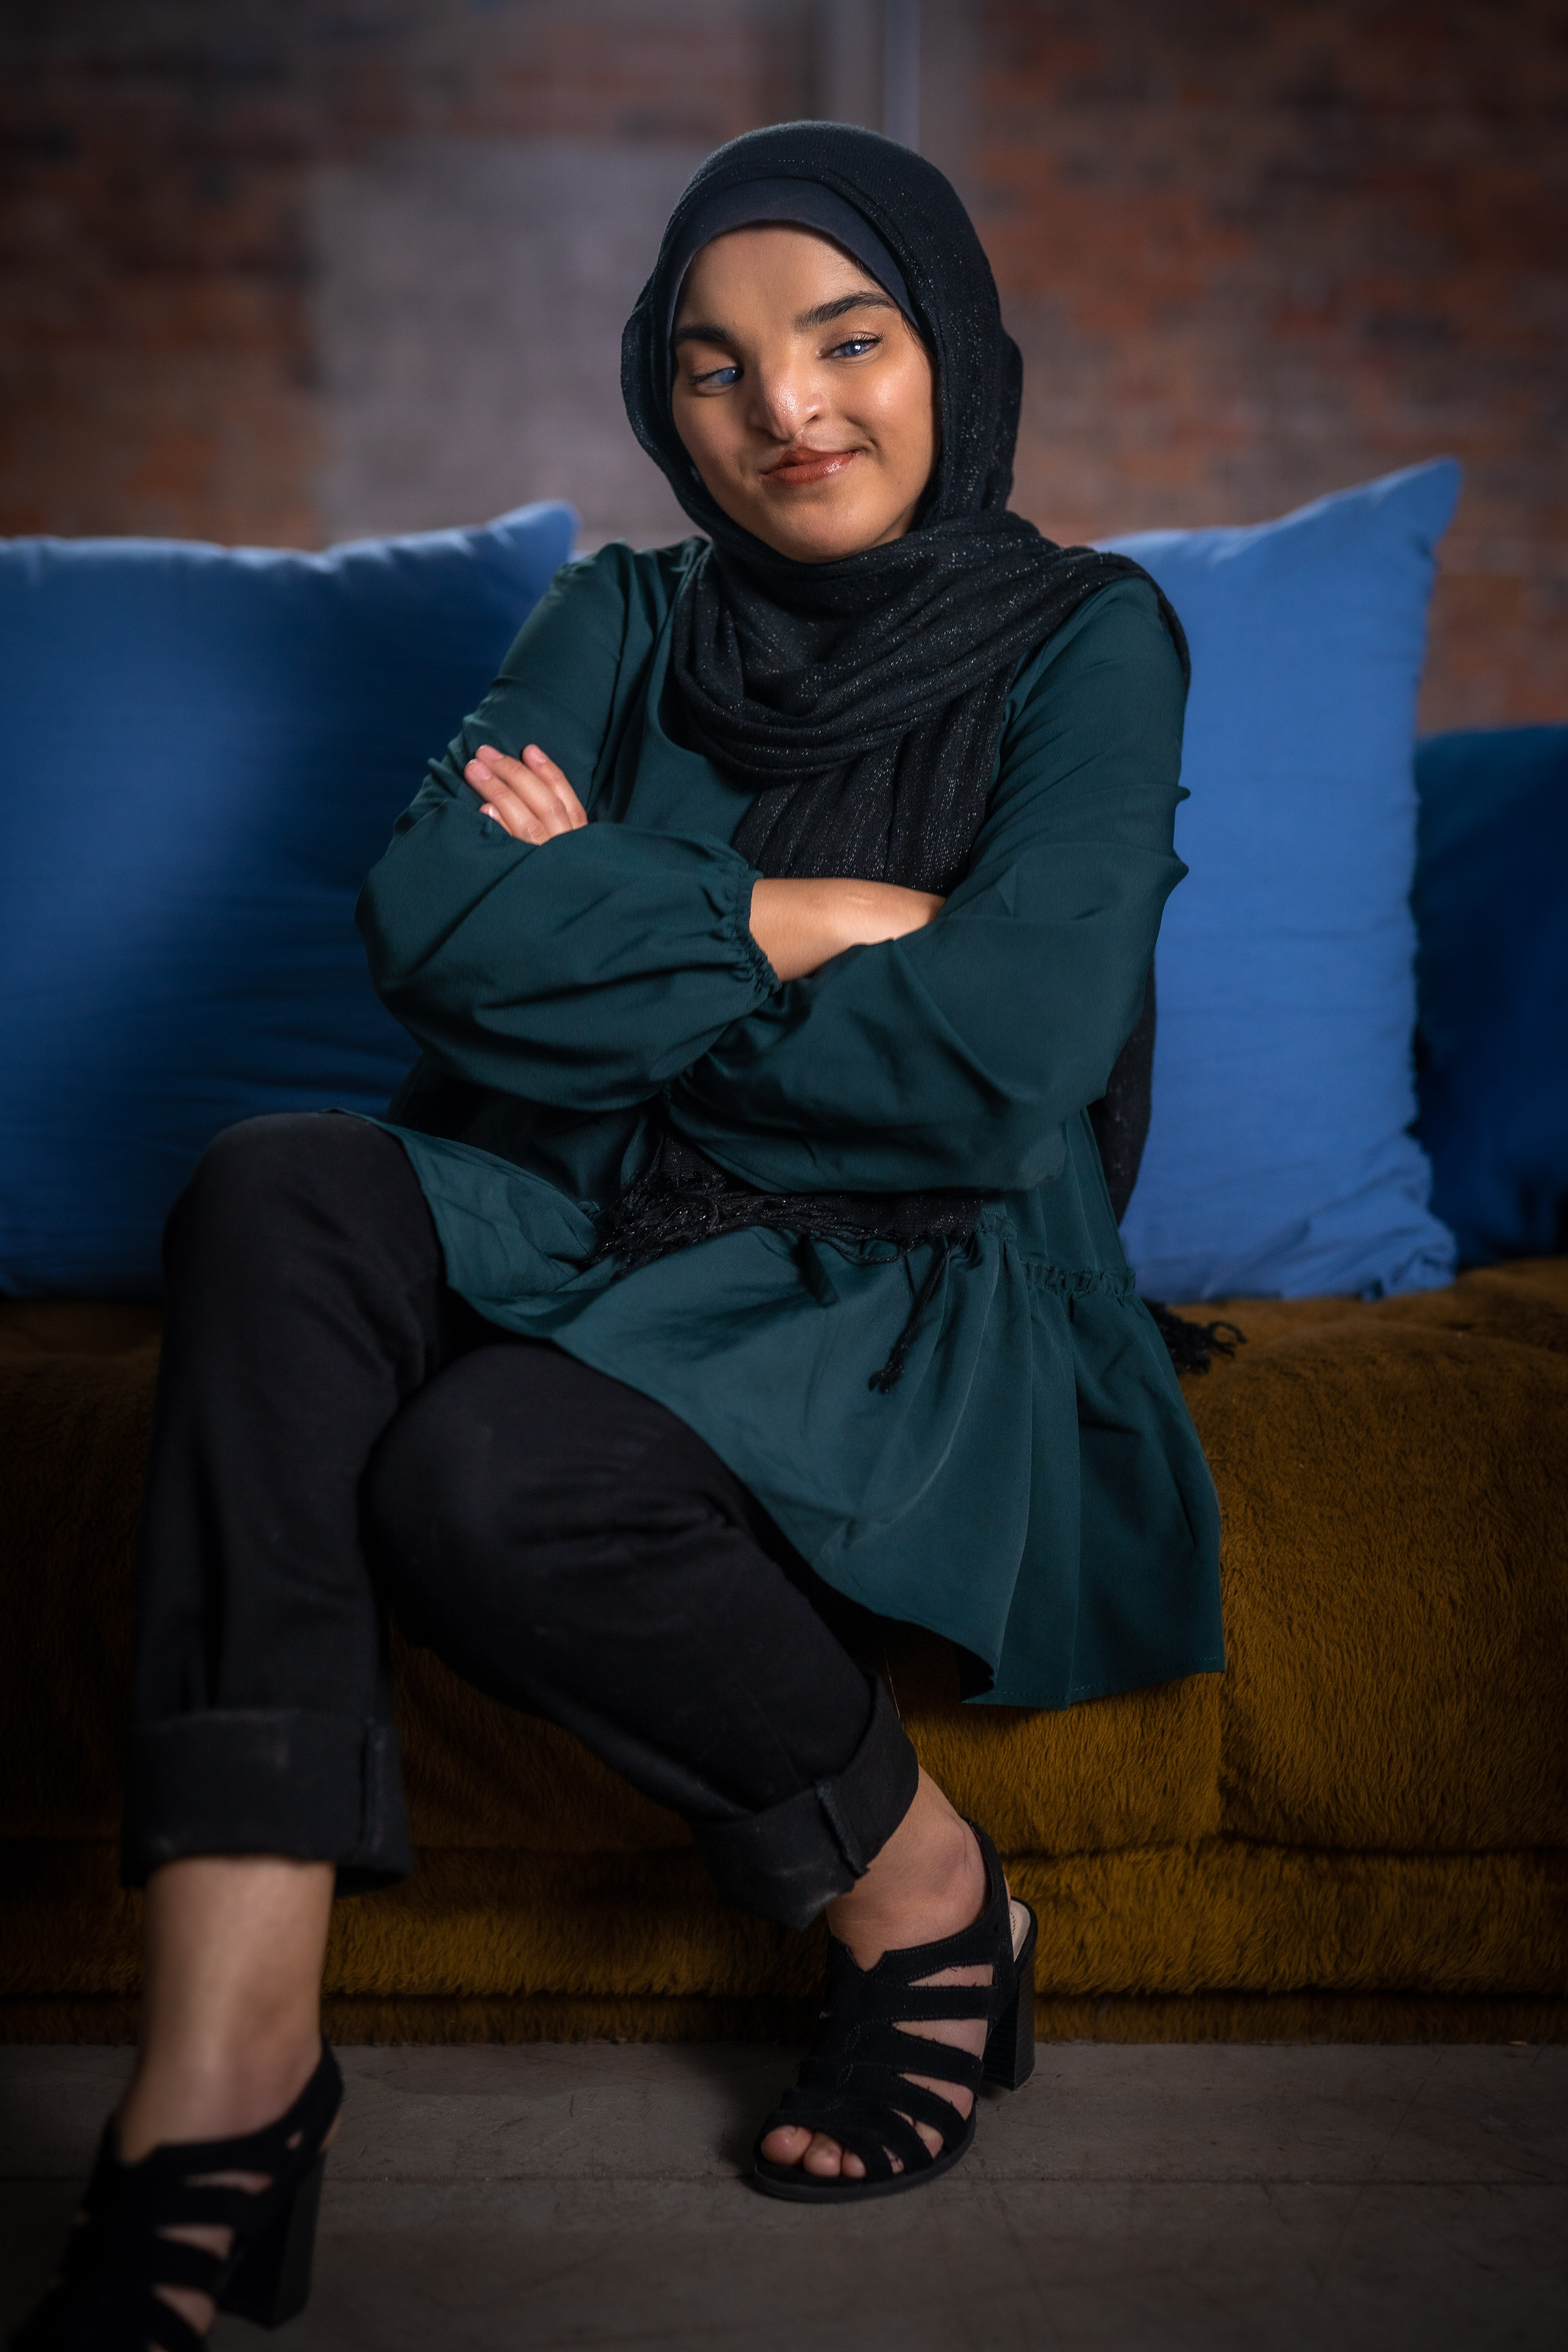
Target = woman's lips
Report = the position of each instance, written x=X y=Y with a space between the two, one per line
x=798 y=468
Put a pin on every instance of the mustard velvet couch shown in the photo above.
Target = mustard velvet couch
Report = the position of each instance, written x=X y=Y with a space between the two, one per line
x=1360 y=1830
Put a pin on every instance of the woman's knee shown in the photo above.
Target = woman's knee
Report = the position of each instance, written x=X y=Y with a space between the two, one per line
x=434 y=1512
x=256 y=1181
x=493 y=1501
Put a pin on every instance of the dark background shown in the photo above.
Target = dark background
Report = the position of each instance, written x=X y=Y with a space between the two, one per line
x=288 y=270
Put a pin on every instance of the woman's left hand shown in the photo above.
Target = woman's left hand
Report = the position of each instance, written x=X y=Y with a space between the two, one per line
x=801 y=924
x=530 y=797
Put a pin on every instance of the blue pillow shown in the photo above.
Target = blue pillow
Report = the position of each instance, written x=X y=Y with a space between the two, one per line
x=202 y=750
x=1491 y=908
x=1279 y=1162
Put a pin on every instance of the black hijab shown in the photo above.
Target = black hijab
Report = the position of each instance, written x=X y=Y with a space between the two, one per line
x=860 y=701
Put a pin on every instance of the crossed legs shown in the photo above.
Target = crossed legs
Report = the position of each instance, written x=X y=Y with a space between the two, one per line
x=337 y=1433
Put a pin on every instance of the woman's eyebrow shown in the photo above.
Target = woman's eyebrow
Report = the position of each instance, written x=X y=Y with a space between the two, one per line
x=870 y=299
x=703 y=330
x=700 y=331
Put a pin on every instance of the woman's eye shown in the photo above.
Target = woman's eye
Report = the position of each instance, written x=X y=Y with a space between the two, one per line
x=717 y=379
x=855 y=346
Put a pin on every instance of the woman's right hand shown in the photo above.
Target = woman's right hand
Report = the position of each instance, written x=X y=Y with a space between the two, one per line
x=800 y=925
x=529 y=798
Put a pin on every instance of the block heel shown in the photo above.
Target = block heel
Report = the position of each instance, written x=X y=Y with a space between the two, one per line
x=119 y=2254
x=272 y=2284
x=1009 y=2057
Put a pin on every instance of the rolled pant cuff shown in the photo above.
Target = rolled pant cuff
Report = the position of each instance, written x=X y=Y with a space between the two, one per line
x=791 y=1861
x=318 y=1788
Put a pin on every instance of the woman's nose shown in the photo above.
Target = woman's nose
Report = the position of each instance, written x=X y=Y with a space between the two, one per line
x=784 y=400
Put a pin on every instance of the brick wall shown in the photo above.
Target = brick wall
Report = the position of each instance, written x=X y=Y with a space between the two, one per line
x=155 y=354
x=161 y=168
x=1252 y=253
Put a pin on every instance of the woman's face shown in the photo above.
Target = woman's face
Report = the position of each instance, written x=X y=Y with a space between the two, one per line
x=806 y=399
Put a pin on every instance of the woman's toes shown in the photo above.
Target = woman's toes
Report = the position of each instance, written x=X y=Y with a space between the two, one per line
x=822 y=2157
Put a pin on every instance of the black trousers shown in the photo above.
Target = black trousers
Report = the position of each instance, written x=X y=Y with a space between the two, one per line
x=337 y=1433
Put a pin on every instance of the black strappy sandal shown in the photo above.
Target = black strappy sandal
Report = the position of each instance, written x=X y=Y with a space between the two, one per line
x=105 y=2300
x=855 y=2085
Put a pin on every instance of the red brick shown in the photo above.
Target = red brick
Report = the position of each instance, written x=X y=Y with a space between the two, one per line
x=1253 y=254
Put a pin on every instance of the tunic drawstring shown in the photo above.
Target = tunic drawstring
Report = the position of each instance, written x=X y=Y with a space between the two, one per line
x=683 y=1197
x=892 y=1372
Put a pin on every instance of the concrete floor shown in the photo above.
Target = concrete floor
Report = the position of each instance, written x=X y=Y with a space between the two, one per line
x=1148 y=2199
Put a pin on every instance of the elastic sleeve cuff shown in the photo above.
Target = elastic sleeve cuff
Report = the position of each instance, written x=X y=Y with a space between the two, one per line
x=758 y=966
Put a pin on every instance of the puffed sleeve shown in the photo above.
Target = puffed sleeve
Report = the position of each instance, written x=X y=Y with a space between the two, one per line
x=588 y=971
x=954 y=1058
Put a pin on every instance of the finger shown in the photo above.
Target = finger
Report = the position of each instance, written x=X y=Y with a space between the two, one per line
x=520 y=808
x=498 y=774
x=525 y=828
x=535 y=757
x=539 y=761
x=481 y=778
x=538 y=771
x=489 y=768
x=517 y=822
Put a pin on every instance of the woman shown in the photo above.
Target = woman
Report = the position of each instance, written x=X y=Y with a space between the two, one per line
x=738 y=1247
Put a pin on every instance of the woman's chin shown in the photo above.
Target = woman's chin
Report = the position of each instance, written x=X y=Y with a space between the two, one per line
x=819 y=536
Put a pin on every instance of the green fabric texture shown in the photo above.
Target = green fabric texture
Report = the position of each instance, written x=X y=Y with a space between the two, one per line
x=1033 y=1487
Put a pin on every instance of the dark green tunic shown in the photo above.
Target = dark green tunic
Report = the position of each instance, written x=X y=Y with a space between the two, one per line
x=1033 y=1487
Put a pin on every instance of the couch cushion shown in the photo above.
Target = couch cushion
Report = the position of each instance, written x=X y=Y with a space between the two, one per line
x=1359 y=1831
x=1200 y=1942
x=1126 y=1771
x=1396 y=1617
x=1279 y=1159
x=202 y=750
x=1491 y=907
x=1396 y=1565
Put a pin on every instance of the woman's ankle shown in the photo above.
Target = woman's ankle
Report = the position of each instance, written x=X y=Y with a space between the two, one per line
x=928 y=1882
x=185 y=2095
x=231 y=2000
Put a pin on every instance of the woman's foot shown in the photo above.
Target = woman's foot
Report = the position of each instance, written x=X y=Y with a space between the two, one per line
x=927 y=1884
x=231 y=2027
x=230 y=2040
x=167 y=2107
x=191 y=2226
